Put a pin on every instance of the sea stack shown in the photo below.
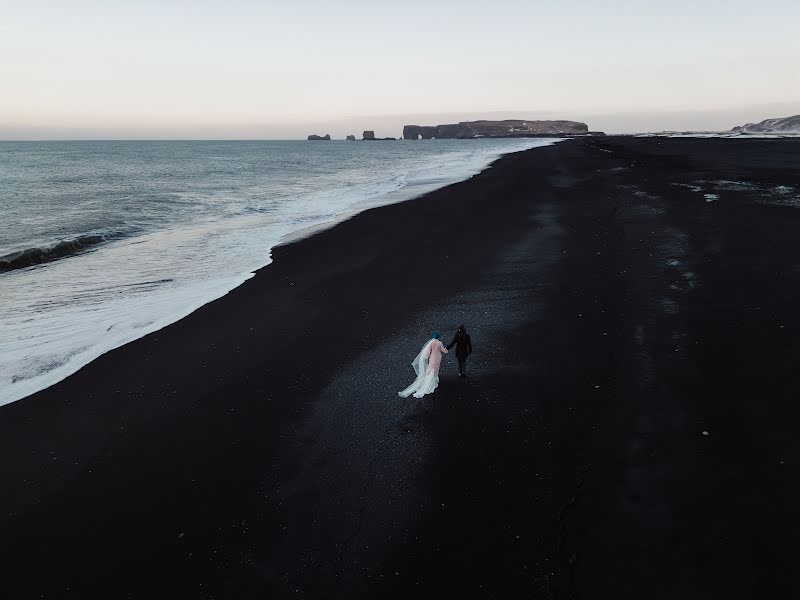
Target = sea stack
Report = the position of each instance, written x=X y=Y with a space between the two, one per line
x=326 y=137
x=369 y=135
x=351 y=138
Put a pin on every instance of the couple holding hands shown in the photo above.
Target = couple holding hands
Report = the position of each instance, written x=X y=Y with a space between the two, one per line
x=426 y=364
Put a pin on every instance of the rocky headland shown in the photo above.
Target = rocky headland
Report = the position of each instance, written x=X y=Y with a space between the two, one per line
x=494 y=129
x=781 y=125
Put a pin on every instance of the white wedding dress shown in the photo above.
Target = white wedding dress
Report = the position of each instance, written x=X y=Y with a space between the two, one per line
x=427 y=374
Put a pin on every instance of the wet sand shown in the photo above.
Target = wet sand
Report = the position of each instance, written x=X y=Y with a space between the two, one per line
x=258 y=448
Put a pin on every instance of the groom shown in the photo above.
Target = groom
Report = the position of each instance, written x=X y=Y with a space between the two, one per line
x=463 y=346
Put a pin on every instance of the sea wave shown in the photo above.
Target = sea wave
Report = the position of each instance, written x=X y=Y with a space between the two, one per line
x=30 y=257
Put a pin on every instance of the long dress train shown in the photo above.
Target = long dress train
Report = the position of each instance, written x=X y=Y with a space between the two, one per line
x=426 y=366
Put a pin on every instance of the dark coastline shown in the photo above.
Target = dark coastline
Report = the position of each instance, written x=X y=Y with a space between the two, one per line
x=257 y=448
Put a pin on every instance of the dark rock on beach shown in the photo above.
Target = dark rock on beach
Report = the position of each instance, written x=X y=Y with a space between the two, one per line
x=627 y=430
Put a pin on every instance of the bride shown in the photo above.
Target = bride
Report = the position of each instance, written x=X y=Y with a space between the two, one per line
x=426 y=365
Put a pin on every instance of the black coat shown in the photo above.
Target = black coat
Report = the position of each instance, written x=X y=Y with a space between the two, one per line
x=462 y=343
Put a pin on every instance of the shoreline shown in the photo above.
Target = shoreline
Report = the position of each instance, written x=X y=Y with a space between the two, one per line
x=221 y=288
x=258 y=447
x=404 y=194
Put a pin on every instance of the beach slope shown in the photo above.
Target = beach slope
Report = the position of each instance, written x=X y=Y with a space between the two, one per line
x=626 y=430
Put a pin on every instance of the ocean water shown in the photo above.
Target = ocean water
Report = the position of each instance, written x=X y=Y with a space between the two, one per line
x=104 y=242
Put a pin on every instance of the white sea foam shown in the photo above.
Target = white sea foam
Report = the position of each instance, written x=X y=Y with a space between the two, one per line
x=694 y=188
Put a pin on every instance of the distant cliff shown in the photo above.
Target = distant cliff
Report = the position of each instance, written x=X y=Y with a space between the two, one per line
x=494 y=129
x=784 y=125
x=326 y=137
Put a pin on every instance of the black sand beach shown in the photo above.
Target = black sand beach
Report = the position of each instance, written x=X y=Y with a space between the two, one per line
x=628 y=429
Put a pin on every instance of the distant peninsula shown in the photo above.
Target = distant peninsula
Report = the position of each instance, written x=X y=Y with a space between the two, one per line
x=781 y=125
x=494 y=129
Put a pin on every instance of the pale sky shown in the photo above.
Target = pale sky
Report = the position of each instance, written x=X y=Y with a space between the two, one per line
x=263 y=69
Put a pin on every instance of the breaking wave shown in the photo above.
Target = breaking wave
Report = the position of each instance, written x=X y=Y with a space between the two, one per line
x=41 y=254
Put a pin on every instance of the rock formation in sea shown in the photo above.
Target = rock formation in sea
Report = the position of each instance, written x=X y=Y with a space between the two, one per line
x=494 y=129
x=782 y=125
x=326 y=137
x=351 y=138
x=369 y=136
